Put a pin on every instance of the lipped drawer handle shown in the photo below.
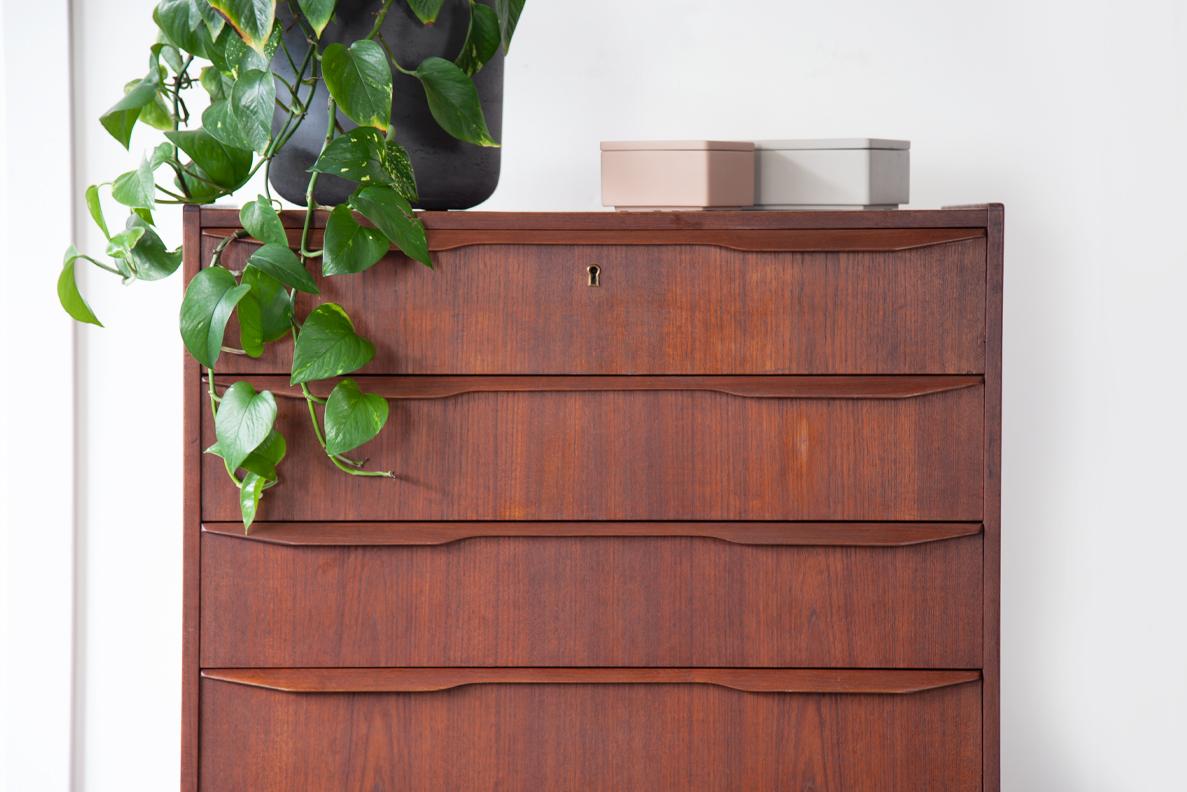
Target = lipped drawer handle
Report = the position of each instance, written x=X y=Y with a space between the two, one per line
x=752 y=387
x=419 y=534
x=433 y=680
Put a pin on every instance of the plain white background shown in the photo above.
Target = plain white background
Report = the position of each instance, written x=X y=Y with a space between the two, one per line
x=1074 y=114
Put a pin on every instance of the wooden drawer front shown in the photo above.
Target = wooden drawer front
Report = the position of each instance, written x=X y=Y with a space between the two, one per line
x=611 y=735
x=670 y=309
x=593 y=600
x=641 y=449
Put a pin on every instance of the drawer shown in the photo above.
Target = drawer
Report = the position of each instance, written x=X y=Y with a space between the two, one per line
x=611 y=730
x=873 y=301
x=639 y=448
x=601 y=594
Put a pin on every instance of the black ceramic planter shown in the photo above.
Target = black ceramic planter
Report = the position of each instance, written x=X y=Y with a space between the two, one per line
x=450 y=174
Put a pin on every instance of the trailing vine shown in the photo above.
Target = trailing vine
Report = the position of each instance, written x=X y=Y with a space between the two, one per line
x=226 y=48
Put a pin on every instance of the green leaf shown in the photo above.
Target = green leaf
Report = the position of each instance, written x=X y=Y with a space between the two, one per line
x=95 y=208
x=508 y=12
x=397 y=166
x=168 y=52
x=360 y=81
x=317 y=13
x=156 y=113
x=119 y=246
x=482 y=39
x=264 y=459
x=232 y=57
x=426 y=10
x=68 y=294
x=392 y=215
x=216 y=85
x=252 y=19
x=328 y=346
x=355 y=156
x=244 y=120
x=251 y=489
x=350 y=247
x=120 y=119
x=226 y=166
x=276 y=307
x=242 y=422
x=352 y=417
x=453 y=101
x=251 y=328
x=282 y=263
x=151 y=260
x=209 y=300
x=259 y=218
x=184 y=22
x=136 y=188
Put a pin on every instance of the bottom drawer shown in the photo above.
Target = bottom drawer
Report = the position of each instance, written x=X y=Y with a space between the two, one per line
x=588 y=730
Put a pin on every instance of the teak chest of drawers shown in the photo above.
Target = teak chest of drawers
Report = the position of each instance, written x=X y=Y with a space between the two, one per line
x=686 y=501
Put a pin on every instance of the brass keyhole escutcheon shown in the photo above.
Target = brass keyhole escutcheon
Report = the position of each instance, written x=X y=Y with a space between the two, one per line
x=595 y=273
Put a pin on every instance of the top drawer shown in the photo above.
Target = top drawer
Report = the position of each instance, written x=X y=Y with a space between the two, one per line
x=857 y=301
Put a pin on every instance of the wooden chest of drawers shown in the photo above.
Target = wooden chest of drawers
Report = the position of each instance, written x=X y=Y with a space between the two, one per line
x=726 y=519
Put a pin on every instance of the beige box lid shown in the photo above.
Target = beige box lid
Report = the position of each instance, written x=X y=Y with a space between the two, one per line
x=677 y=145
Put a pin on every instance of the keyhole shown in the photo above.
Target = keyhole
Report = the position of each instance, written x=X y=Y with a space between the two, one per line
x=595 y=273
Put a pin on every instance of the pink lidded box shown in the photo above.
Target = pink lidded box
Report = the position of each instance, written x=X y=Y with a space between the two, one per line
x=677 y=174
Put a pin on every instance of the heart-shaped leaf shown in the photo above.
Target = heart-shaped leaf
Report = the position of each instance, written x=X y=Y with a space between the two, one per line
x=190 y=24
x=136 y=188
x=68 y=294
x=266 y=456
x=317 y=13
x=360 y=81
x=508 y=12
x=149 y=256
x=276 y=308
x=226 y=166
x=426 y=10
x=259 y=218
x=252 y=19
x=352 y=417
x=393 y=215
x=328 y=346
x=453 y=101
x=209 y=300
x=244 y=119
x=251 y=489
x=243 y=421
x=350 y=247
x=251 y=328
x=482 y=39
x=121 y=117
x=282 y=263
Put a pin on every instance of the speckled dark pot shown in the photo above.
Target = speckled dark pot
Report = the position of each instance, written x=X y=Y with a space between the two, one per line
x=450 y=174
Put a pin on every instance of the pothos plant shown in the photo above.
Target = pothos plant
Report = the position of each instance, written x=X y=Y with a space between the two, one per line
x=225 y=48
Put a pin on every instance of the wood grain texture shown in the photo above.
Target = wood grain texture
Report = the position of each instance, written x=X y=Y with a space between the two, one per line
x=386 y=534
x=590 y=738
x=191 y=527
x=661 y=309
x=583 y=601
x=436 y=680
x=992 y=489
x=637 y=455
x=956 y=217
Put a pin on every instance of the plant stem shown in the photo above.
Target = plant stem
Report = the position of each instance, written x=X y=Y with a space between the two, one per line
x=217 y=253
x=379 y=17
x=310 y=204
x=339 y=461
x=214 y=400
x=177 y=122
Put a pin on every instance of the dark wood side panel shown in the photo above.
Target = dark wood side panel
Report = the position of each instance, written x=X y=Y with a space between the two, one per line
x=674 y=309
x=638 y=455
x=191 y=527
x=992 y=488
x=590 y=738
x=585 y=601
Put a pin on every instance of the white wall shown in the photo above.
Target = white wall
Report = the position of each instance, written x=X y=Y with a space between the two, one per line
x=1072 y=113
